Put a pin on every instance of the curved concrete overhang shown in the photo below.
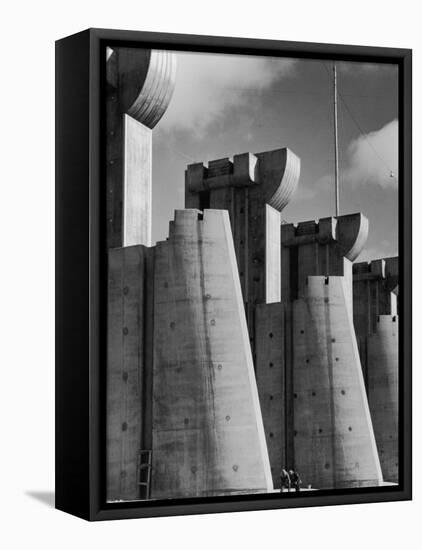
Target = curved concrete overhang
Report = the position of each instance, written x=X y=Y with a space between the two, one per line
x=351 y=234
x=145 y=80
x=272 y=176
x=280 y=170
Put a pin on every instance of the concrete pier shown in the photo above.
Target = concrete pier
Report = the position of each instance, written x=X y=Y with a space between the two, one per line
x=254 y=189
x=334 y=444
x=208 y=436
x=139 y=86
x=307 y=363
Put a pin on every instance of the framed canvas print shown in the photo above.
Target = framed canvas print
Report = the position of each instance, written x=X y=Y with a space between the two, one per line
x=233 y=274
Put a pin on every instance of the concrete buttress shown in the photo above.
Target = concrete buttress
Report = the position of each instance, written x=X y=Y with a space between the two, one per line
x=308 y=368
x=208 y=436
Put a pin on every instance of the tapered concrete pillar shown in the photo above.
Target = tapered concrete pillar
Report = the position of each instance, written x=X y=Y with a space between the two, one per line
x=254 y=189
x=376 y=322
x=208 y=437
x=334 y=444
x=308 y=369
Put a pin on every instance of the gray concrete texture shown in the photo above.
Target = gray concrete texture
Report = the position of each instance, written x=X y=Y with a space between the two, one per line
x=232 y=289
x=128 y=368
x=254 y=189
x=208 y=437
x=139 y=86
x=334 y=444
x=375 y=288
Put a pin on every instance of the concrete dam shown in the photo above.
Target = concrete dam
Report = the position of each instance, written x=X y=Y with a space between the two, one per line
x=241 y=344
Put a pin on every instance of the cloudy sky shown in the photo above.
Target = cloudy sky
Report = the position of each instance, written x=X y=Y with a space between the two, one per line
x=223 y=105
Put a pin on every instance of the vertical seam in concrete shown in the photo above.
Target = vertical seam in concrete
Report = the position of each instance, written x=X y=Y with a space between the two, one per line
x=207 y=356
x=328 y=340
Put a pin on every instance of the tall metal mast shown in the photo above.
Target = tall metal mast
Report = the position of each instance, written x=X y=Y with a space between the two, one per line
x=336 y=175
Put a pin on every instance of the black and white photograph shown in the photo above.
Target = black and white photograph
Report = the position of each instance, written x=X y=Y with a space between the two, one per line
x=210 y=306
x=251 y=228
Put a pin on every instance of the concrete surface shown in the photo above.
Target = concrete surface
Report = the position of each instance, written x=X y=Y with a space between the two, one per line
x=334 y=444
x=254 y=189
x=128 y=404
x=139 y=86
x=376 y=323
x=270 y=333
x=208 y=436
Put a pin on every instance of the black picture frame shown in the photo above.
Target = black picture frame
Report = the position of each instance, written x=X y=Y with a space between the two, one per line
x=81 y=280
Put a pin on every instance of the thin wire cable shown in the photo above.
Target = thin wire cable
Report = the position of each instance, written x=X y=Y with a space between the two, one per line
x=364 y=134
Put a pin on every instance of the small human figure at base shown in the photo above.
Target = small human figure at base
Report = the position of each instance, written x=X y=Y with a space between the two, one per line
x=295 y=480
x=285 y=481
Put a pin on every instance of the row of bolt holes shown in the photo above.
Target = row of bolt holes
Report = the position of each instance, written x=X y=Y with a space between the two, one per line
x=194 y=469
x=271 y=335
x=320 y=431
x=172 y=326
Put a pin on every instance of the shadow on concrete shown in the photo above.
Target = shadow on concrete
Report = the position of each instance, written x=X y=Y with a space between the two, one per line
x=45 y=497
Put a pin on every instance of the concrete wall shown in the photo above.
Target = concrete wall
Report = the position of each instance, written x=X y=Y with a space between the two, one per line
x=334 y=444
x=129 y=365
x=383 y=395
x=208 y=437
x=270 y=333
x=376 y=323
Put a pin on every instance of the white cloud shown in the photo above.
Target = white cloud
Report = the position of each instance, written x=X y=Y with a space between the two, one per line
x=373 y=158
x=207 y=85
